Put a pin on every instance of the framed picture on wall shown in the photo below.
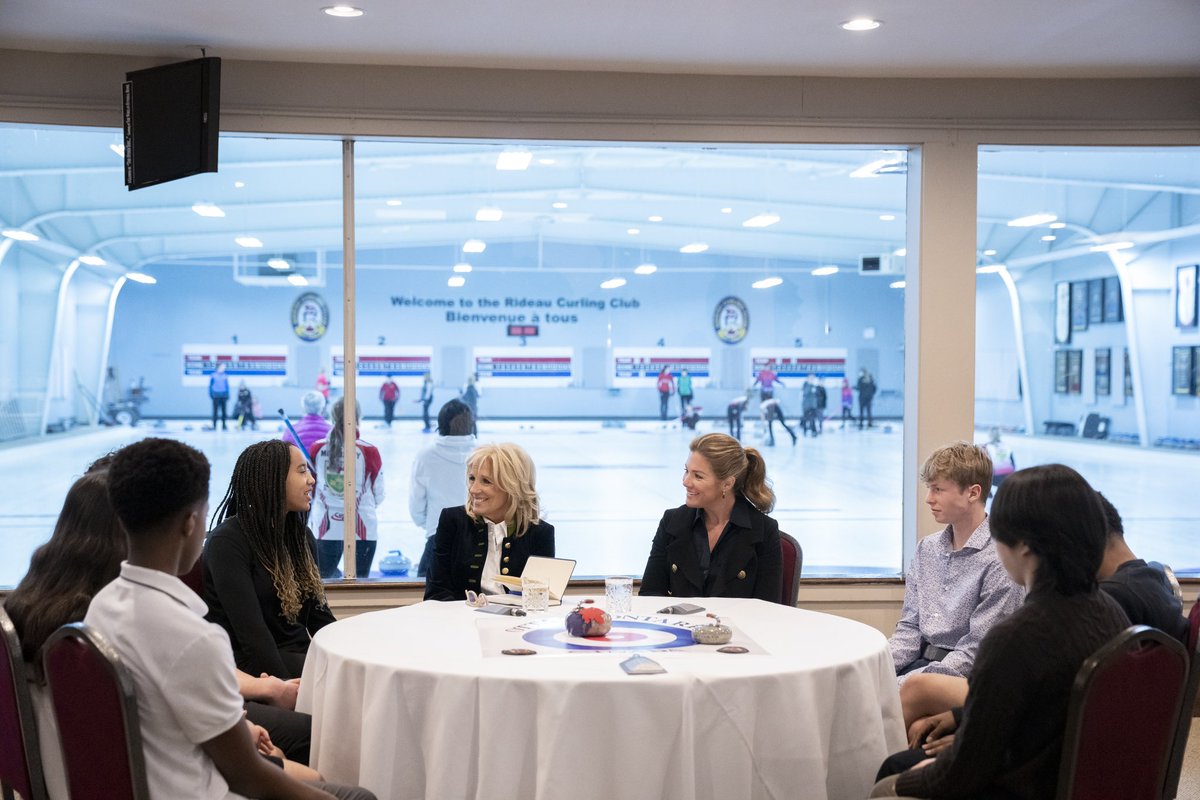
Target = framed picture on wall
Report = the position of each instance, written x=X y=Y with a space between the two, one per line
x=1062 y=313
x=1113 y=311
x=1060 y=371
x=1095 y=301
x=1185 y=296
x=1128 y=375
x=1103 y=371
x=1074 y=372
x=1079 y=306
x=1182 y=370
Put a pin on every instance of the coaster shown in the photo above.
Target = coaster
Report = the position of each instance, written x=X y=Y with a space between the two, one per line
x=519 y=651
x=732 y=648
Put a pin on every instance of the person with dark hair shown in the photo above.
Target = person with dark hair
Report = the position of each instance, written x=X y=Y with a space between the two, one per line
x=766 y=380
x=665 y=383
x=686 y=392
x=720 y=542
x=496 y=532
x=439 y=474
x=389 y=393
x=329 y=504
x=1049 y=532
x=260 y=564
x=189 y=708
x=866 y=396
x=244 y=408
x=426 y=400
x=218 y=392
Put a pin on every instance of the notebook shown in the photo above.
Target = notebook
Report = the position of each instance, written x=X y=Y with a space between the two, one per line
x=556 y=572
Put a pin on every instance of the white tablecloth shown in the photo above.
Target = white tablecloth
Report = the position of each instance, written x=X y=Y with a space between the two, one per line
x=405 y=704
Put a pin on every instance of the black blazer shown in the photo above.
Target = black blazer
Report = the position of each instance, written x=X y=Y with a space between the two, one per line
x=753 y=568
x=460 y=548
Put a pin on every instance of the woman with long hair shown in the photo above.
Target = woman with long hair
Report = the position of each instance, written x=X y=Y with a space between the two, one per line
x=329 y=504
x=496 y=532
x=720 y=542
x=260 y=567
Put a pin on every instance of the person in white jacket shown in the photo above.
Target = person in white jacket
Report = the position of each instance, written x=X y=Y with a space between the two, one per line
x=439 y=473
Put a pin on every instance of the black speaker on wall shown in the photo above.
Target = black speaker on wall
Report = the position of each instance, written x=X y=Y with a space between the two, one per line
x=171 y=121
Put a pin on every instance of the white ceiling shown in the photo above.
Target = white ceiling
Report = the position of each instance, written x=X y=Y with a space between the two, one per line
x=919 y=38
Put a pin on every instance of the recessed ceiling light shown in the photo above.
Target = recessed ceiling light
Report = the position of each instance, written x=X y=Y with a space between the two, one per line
x=546 y=161
x=1057 y=225
x=886 y=217
x=513 y=160
x=694 y=247
x=297 y=280
x=761 y=221
x=613 y=283
x=208 y=210
x=633 y=231
x=767 y=283
x=861 y=24
x=989 y=252
x=280 y=264
x=395 y=201
x=645 y=269
x=900 y=252
x=489 y=215
x=462 y=266
x=455 y=281
x=726 y=210
x=1049 y=237
x=92 y=261
x=559 y=205
x=474 y=246
x=248 y=241
x=828 y=269
x=343 y=11
x=239 y=184
x=19 y=235
x=1031 y=220
x=1109 y=247
x=897 y=285
x=989 y=269
x=655 y=218
x=140 y=277
x=119 y=149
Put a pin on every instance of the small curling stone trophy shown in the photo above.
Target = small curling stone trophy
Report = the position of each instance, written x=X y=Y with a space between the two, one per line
x=712 y=632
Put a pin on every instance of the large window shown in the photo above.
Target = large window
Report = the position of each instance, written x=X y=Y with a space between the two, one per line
x=1087 y=345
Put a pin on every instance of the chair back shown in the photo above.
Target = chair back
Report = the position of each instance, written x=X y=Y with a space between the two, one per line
x=1122 y=718
x=194 y=578
x=96 y=709
x=793 y=563
x=20 y=757
x=1175 y=768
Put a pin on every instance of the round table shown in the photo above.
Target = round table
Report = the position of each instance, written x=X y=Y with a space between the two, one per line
x=413 y=703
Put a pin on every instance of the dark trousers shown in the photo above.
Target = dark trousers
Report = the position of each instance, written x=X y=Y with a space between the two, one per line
x=329 y=555
x=808 y=423
x=663 y=397
x=735 y=422
x=219 y=402
x=685 y=400
x=389 y=411
x=425 y=404
x=771 y=429
x=864 y=409
x=426 y=557
x=291 y=731
x=847 y=414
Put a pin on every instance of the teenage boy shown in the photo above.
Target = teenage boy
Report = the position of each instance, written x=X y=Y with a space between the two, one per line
x=956 y=588
x=196 y=743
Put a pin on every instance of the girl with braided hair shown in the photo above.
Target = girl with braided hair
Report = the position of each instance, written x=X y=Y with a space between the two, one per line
x=260 y=566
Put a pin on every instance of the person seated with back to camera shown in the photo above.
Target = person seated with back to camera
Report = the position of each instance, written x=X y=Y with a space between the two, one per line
x=1049 y=532
x=189 y=710
x=720 y=542
x=260 y=564
x=312 y=427
x=439 y=474
x=496 y=532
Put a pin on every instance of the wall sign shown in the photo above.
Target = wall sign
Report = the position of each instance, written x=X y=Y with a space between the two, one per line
x=540 y=367
x=638 y=367
x=406 y=365
x=310 y=317
x=797 y=363
x=257 y=365
x=731 y=320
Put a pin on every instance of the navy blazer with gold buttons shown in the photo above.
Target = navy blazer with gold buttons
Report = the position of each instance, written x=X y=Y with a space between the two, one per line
x=460 y=548
x=753 y=568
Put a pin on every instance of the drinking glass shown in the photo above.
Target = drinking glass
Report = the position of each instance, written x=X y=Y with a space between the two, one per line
x=535 y=595
x=618 y=595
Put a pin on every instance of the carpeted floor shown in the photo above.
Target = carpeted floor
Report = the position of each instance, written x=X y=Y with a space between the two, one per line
x=1189 y=780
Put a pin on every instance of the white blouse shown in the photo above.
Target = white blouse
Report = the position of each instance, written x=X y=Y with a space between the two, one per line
x=491 y=565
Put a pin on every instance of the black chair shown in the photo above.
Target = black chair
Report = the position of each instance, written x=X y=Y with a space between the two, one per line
x=1122 y=718
x=96 y=709
x=793 y=563
x=1179 y=749
x=20 y=756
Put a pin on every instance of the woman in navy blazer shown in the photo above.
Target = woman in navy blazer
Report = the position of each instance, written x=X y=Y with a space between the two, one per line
x=495 y=532
x=720 y=542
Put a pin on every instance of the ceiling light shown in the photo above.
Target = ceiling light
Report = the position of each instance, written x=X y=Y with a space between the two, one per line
x=140 y=277
x=546 y=161
x=489 y=215
x=208 y=210
x=989 y=269
x=343 y=11
x=989 y=252
x=645 y=269
x=897 y=285
x=1049 y=237
x=861 y=24
x=297 y=280
x=92 y=261
x=395 y=202
x=280 y=264
x=474 y=246
x=886 y=217
x=767 y=283
x=1031 y=220
x=462 y=266
x=726 y=210
x=1109 y=247
x=1058 y=225
x=694 y=247
x=248 y=241
x=761 y=221
x=900 y=252
x=239 y=184
x=559 y=204
x=119 y=149
x=655 y=218
x=514 y=160
x=613 y=283
x=828 y=269
x=633 y=231
x=19 y=235
x=455 y=281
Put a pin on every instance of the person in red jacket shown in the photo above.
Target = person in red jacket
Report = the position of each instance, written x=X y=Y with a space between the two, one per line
x=389 y=393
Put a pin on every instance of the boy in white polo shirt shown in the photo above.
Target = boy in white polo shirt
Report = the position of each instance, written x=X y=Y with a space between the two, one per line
x=195 y=741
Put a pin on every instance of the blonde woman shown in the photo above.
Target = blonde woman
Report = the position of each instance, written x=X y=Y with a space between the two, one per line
x=494 y=534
